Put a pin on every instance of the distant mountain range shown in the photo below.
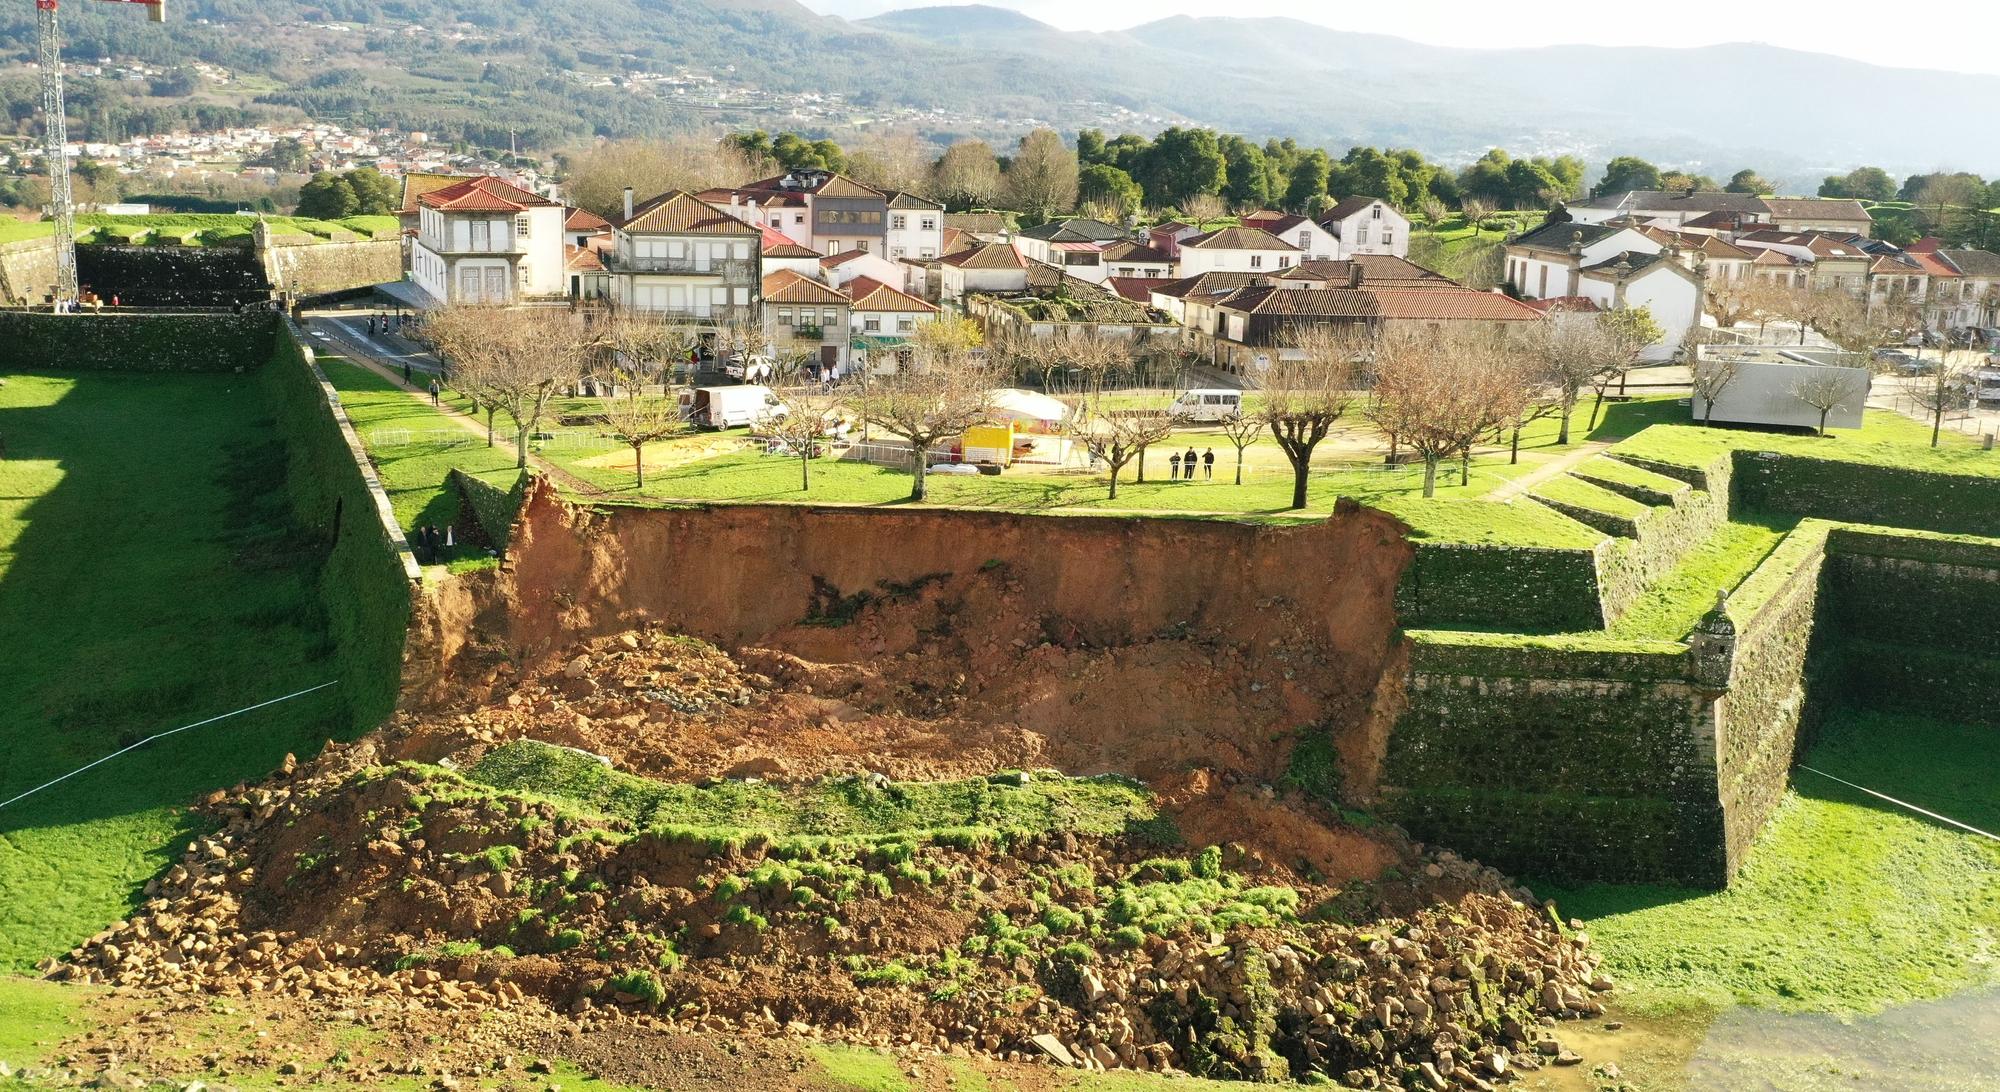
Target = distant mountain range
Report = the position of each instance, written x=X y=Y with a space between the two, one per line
x=1790 y=114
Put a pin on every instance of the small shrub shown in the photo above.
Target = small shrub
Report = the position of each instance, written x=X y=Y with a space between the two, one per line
x=1074 y=952
x=1208 y=865
x=565 y=939
x=743 y=915
x=640 y=984
x=1128 y=936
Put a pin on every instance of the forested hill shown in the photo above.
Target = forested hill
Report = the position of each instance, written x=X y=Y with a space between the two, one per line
x=558 y=71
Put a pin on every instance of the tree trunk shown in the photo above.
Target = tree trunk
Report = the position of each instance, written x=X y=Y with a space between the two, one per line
x=639 y=466
x=1465 y=467
x=1514 y=451
x=1430 y=475
x=922 y=454
x=489 y=425
x=1562 y=434
x=1239 y=466
x=805 y=470
x=1822 y=424
x=1142 y=466
x=1301 y=467
x=1937 y=424
x=1115 y=468
x=520 y=447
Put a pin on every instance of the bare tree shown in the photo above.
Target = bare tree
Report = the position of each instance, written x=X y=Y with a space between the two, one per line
x=1523 y=396
x=1474 y=210
x=1306 y=391
x=1627 y=332
x=968 y=175
x=1041 y=180
x=1574 y=354
x=744 y=341
x=1203 y=207
x=600 y=172
x=899 y=160
x=1948 y=388
x=811 y=416
x=1242 y=431
x=1438 y=393
x=936 y=395
x=1709 y=376
x=1434 y=210
x=517 y=360
x=1824 y=389
x=637 y=418
x=1731 y=302
x=1116 y=438
x=643 y=347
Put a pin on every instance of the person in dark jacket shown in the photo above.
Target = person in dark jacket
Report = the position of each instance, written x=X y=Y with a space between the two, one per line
x=1174 y=466
x=1187 y=464
x=1208 y=464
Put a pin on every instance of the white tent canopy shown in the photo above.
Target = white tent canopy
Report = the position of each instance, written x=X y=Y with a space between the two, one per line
x=1014 y=404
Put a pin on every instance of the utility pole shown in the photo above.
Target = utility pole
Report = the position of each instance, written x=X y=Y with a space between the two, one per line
x=55 y=140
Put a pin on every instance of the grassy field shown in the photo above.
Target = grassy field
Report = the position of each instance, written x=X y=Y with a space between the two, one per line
x=414 y=447
x=1884 y=438
x=192 y=229
x=1847 y=903
x=1674 y=603
x=149 y=577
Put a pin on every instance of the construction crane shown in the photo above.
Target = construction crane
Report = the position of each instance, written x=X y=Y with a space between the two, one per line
x=55 y=139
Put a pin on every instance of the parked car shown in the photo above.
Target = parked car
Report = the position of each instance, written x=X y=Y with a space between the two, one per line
x=730 y=407
x=1893 y=357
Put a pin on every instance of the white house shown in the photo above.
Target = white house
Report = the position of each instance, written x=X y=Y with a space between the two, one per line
x=481 y=240
x=780 y=252
x=1076 y=246
x=1545 y=262
x=679 y=256
x=990 y=268
x=1366 y=225
x=882 y=320
x=839 y=269
x=916 y=227
x=1315 y=243
x=1129 y=259
x=1718 y=260
x=1666 y=288
x=1235 y=250
x=828 y=212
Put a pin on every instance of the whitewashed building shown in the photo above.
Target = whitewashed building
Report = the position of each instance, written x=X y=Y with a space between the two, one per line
x=678 y=256
x=483 y=241
x=1235 y=250
x=1366 y=225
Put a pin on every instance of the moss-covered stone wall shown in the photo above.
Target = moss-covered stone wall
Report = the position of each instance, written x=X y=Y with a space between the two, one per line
x=139 y=343
x=1853 y=492
x=1911 y=620
x=1558 y=761
x=1527 y=589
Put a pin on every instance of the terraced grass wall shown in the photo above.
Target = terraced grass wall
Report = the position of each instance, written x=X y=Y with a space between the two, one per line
x=1558 y=761
x=1662 y=539
x=1913 y=619
x=1855 y=492
x=139 y=343
x=367 y=582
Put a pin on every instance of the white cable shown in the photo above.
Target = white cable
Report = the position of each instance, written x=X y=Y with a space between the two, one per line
x=1904 y=804
x=163 y=735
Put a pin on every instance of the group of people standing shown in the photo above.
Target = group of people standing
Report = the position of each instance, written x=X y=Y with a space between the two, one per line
x=430 y=544
x=1183 y=466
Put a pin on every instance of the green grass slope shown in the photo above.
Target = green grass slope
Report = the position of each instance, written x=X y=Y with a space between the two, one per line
x=148 y=578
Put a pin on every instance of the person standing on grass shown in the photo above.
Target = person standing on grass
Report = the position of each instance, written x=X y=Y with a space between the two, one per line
x=406 y=374
x=1187 y=464
x=434 y=392
x=1208 y=464
x=1173 y=466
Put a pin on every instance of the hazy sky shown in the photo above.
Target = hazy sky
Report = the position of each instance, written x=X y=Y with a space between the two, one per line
x=1957 y=35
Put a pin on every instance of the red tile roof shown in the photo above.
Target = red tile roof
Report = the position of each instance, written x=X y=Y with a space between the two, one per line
x=482 y=193
x=582 y=259
x=1137 y=289
x=791 y=286
x=585 y=220
x=777 y=244
x=834 y=261
x=986 y=256
x=870 y=294
x=1237 y=238
x=1582 y=304
x=678 y=212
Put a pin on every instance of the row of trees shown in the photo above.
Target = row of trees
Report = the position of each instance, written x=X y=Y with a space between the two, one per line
x=363 y=191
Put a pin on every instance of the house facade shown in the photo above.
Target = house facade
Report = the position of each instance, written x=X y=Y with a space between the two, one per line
x=1235 y=250
x=1366 y=225
x=818 y=209
x=806 y=318
x=882 y=320
x=483 y=241
x=1549 y=261
x=684 y=259
x=1315 y=242
x=1253 y=327
x=1076 y=246
x=990 y=268
x=916 y=228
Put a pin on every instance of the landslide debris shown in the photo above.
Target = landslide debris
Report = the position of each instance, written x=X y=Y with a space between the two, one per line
x=1022 y=914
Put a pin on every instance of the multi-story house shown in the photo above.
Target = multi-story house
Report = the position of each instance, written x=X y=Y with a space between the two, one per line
x=1076 y=246
x=1611 y=266
x=1546 y=263
x=1366 y=225
x=828 y=212
x=916 y=227
x=684 y=259
x=1253 y=326
x=882 y=320
x=482 y=241
x=807 y=317
x=1717 y=259
x=1828 y=260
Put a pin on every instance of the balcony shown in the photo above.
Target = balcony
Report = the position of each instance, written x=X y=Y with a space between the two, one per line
x=717 y=315
x=738 y=270
x=512 y=247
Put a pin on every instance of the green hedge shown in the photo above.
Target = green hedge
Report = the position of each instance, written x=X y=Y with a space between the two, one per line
x=1855 y=492
x=139 y=343
x=1526 y=589
x=363 y=586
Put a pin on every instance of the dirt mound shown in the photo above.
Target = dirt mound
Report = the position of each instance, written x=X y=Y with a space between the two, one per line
x=352 y=878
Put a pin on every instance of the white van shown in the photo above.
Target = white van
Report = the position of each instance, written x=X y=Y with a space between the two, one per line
x=1207 y=406
x=731 y=407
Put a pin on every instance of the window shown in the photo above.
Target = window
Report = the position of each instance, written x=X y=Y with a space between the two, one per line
x=1256 y=261
x=1361 y=234
x=927 y=252
x=1388 y=236
x=1375 y=213
x=930 y=223
x=784 y=316
x=898 y=223
x=521 y=226
x=1305 y=240
x=895 y=252
x=798 y=218
x=480 y=239
x=905 y=324
x=871 y=325
x=862 y=246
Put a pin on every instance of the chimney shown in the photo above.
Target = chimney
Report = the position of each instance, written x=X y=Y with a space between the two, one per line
x=1353 y=274
x=628 y=202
